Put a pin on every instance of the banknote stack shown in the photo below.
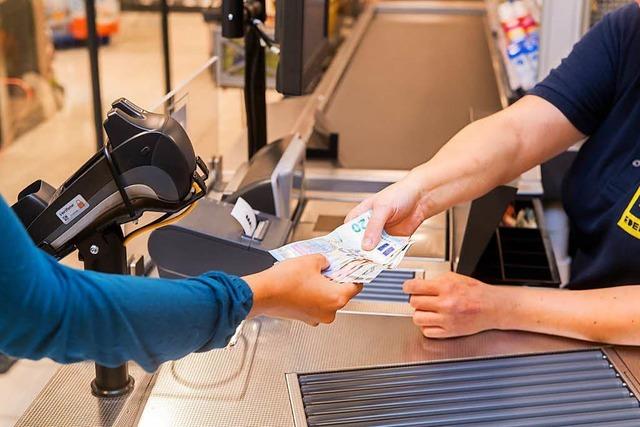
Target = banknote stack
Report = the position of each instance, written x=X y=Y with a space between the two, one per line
x=343 y=248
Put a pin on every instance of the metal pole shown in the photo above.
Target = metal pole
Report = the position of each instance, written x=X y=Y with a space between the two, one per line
x=92 y=43
x=255 y=86
x=164 y=14
x=105 y=252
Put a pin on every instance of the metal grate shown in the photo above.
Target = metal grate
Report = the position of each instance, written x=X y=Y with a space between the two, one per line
x=387 y=287
x=558 y=389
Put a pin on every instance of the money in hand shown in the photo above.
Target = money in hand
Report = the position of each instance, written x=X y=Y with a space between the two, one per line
x=343 y=248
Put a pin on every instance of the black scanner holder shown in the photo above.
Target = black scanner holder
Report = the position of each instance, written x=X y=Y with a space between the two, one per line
x=147 y=164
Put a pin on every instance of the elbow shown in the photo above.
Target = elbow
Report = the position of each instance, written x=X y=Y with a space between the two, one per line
x=625 y=333
x=516 y=148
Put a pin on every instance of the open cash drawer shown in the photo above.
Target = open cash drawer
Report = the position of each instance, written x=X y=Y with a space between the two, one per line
x=520 y=256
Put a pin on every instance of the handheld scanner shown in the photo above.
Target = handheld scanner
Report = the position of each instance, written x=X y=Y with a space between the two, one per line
x=148 y=164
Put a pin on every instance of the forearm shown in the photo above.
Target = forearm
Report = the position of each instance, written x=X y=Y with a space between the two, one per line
x=473 y=162
x=608 y=315
x=71 y=315
x=493 y=151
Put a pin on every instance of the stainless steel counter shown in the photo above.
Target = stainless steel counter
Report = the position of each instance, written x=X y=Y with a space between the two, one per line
x=246 y=385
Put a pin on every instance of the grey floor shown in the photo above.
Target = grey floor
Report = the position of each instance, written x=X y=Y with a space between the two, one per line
x=131 y=66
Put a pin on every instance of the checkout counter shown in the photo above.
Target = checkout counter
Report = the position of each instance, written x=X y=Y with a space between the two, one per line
x=372 y=366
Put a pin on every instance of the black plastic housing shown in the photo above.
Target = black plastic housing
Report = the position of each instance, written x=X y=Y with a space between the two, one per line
x=233 y=22
x=148 y=165
x=301 y=31
x=32 y=201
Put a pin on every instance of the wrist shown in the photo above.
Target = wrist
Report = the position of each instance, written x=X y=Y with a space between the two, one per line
x=416 y=183
x=259 y=284
x=494 y=307
x=503 y=307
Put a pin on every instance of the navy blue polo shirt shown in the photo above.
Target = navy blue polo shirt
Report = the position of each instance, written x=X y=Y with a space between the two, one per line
x=597 y=87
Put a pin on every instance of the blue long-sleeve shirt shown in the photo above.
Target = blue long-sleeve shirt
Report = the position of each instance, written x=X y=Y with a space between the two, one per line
x=49 y=310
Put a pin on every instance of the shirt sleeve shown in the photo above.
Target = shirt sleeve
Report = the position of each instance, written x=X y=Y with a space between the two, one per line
x=49 y=310
x=583 y=86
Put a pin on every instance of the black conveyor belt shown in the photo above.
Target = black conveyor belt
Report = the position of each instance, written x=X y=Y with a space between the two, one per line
x=560 y=389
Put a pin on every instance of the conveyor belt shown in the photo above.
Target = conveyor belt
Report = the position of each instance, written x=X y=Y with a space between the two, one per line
x=561 y=389
x=387 y=287
x=423 y=60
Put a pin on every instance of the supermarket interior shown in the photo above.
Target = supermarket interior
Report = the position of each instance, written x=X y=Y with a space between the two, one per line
x=319 y=213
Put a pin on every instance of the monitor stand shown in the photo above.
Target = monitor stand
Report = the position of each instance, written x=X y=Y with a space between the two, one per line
x=255 y=84
x=238 y=19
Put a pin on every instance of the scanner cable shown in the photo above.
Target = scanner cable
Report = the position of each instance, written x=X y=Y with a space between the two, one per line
x=164 y=220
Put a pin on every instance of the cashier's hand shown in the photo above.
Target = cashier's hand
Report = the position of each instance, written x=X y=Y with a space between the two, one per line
x=399 y=208
x=296 y=289
x=451 y=306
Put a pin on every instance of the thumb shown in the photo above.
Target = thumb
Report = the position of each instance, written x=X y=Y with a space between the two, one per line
x=378 y=220
x=321 y=261
x=350 y=290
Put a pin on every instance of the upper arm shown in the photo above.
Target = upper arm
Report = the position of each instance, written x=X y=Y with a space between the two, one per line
x=576 y=97
x=583 y=87
x=542 y=130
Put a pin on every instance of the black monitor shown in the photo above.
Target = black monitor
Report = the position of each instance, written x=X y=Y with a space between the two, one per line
x=301 y=31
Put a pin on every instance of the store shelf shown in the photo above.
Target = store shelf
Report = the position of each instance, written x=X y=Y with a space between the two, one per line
x=512 y=82
x=535 y=7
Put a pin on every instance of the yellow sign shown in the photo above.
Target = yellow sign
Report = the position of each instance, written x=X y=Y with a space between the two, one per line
x=630 y=221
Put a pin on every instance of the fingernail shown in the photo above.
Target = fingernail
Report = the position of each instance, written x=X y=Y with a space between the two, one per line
x=366 y=243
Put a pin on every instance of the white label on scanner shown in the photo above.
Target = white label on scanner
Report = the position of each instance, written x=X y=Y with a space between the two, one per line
x=244 y=214
x=73 y=209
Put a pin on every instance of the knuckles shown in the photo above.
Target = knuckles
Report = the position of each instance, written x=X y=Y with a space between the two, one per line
x=341 y=301
x=328 y=317
x=417 y=320
x=413 y=302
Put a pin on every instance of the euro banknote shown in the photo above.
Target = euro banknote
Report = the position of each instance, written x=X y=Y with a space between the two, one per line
x=349 y=263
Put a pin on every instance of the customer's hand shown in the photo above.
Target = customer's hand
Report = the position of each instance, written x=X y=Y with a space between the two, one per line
x=452 y=305
x=296 y=289
x=399 y=208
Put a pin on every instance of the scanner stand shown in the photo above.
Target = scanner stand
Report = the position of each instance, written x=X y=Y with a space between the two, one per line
x=105 y=252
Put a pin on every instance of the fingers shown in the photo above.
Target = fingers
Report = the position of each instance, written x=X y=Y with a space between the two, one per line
x=427 y=318
x=424 y=302
x=351 y=289
x=378 y=220
x=434 y=332
x=319 y=261
x=360 y=209
x=421 y=287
